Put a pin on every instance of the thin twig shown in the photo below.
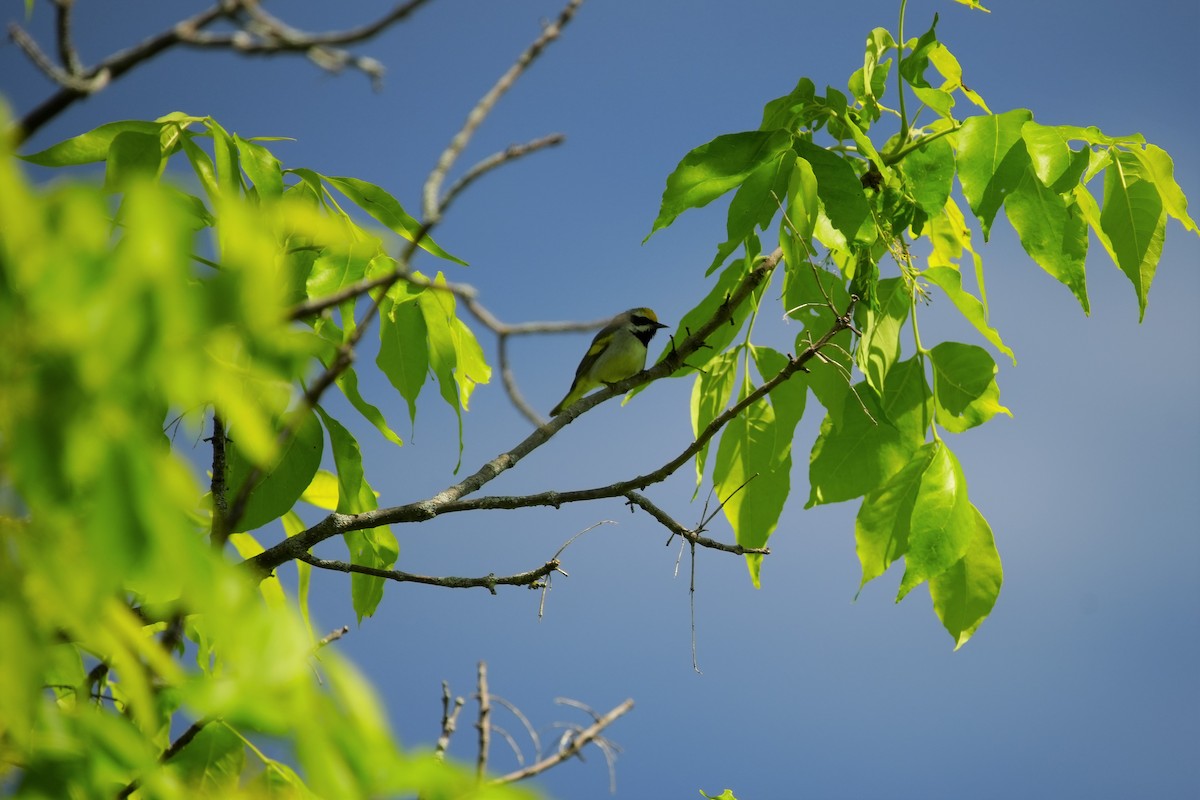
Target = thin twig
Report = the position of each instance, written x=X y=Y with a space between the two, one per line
x=183 y=741
x=67 y=53
x=484 y=723
x=510 y=384
x=451 y=498
x=332 y=636
x=511 y=153
x=433 y=184
x=449 y=721
x=572 y=747
x=489 y=582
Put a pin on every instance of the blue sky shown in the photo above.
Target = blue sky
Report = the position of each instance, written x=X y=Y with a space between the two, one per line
x=1082 y=682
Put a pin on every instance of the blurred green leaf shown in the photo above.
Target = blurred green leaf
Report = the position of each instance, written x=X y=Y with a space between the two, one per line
x=284 y=482
x=132 y=156
x=388 y=211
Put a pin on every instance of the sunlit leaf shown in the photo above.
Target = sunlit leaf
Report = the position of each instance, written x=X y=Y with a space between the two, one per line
x=714 y=168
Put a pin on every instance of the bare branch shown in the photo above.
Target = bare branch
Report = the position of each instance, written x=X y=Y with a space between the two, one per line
x=332 y=636
x=511 y=153
x=218 y=487
x=261 y=34
x=489 y=582
x=67 y=53
x=433 y=184
x=572 y=747
x=183 y=741
x=510 y=384
x=690 y=535
x=450 y=498
x=449 y=720
x=70 y=81
x=484 y=723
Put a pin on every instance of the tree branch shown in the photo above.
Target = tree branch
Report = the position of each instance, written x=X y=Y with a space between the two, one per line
x=490 y=582
x=433 y=184
x=262 y=34
x=450 y=498
x=572 y=748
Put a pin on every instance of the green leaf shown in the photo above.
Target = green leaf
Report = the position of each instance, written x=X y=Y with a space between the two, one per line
x=214 y=759
x=942 y=521
x=262 y=167
x=1159 y=170
x=754 y=204
x=388 y=211
x=965 y=594
x=787 y=399
x=454 y=356
x=336 y=269
x=1053 y=232
x=929 y=174
x=404 y=344
x=225 y=157
x=347 y=458
x=1056 y=165
x=803 y=209
x=846 y=216
x=1134 y=220
x=712 y=169
x=748 y=484
x=991 y=161
x=950 y=281
x=710 y=396
x=280 y=488
x=703 y=311
x=913 y=65
x=965 y=389
x=880 y=344
x=202 y=165
x=348 y=383
x=375 y=547
x=90 y=147
x=881 y=528
x=132 y=156
x=873 y=440
x=785 y=112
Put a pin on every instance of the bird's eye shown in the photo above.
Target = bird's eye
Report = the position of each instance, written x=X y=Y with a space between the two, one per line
x=640 y=320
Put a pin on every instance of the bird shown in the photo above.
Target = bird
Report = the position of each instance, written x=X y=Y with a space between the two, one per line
x=617 y=352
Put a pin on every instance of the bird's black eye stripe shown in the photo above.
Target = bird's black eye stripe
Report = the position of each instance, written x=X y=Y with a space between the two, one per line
x=638 y=319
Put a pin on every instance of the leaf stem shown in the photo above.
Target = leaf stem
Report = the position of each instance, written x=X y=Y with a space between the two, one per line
x=900 y=75
x=922 y=353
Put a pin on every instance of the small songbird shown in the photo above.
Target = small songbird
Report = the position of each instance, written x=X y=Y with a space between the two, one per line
x=617 y=352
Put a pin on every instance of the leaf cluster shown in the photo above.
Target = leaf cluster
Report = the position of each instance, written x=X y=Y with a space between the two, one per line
x=850 y=210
